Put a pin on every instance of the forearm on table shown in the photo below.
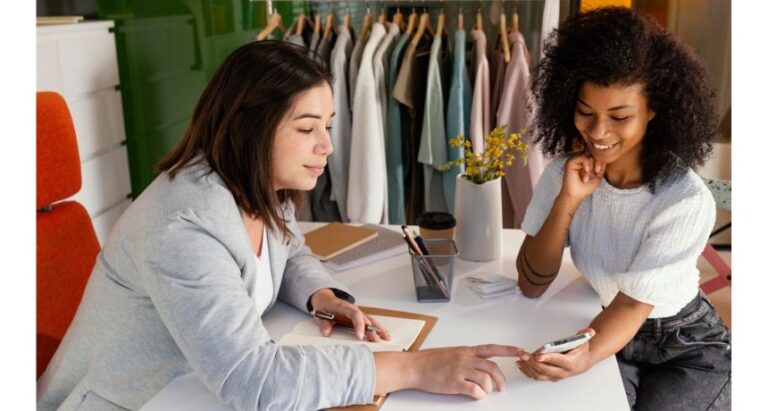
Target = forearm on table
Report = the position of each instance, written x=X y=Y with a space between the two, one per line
x=540 y=257
x=394 y=371
x=615 y=326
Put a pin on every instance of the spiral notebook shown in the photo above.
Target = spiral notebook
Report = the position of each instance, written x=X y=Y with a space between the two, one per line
x=388 y=243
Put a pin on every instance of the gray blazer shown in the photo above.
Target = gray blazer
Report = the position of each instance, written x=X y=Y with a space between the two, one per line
x=172 y=292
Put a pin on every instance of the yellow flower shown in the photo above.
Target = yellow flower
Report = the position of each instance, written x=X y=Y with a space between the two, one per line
x=499 y=152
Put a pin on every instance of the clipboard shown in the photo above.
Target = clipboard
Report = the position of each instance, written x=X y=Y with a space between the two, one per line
x=429 y=323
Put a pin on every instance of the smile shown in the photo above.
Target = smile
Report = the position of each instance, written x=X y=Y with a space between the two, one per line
x=602 y=147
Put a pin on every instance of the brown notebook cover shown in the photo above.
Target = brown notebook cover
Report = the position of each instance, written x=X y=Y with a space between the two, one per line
x=335 y=238
x=429 y=323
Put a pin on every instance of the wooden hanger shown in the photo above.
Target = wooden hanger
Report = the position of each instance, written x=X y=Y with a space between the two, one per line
x=398 y=19
x=503 y=34
x=329 y=25
x=300 y=24
x=479 y=20
x=440 y=24
x=367 y=24
x=382 y=17
x=275 y=22
x=515 y=19
x=412 y=21
x=347 y=23
x=424 y=25
x=460 y=25
x=317 y=24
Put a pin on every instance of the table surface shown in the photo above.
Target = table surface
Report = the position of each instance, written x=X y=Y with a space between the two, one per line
x=567 y=306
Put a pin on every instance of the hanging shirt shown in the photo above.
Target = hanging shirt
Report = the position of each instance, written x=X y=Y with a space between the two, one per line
x=367 y=163
x=480 y=123
x=498 y=68
x=458 y=110
x=354 y=68
x=265 y=288
x=341 y=124
x=410 y=90
x=380 y=63
x=324 y=204
x=433 y=150
x=324 y=49
x=549 y=21
x=519 y=179
x=314 y=41
x=394 y=141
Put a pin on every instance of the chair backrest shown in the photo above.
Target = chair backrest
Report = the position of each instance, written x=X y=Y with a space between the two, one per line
x=66 y=242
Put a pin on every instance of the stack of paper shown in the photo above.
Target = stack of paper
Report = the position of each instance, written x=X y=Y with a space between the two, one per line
x=403 y=332
x=489 y=285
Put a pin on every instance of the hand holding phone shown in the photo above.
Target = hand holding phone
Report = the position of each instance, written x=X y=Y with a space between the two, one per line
x=564 y=345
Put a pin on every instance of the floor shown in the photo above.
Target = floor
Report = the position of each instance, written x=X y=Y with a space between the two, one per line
x=721 y=298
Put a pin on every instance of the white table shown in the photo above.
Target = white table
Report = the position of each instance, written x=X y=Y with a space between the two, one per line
x=568 y=305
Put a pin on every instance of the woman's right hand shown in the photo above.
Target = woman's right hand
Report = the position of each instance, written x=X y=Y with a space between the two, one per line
x=463 y=370
x=581 y=176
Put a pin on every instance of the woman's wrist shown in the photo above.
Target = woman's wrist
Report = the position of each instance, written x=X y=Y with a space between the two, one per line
x=396 y=371
x=322 y=294
x=567 y=203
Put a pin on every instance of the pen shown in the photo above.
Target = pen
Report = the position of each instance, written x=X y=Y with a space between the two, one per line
x=341 y=320
x=433 y=272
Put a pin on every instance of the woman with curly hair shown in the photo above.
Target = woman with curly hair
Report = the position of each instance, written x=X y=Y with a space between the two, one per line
x=628 y=111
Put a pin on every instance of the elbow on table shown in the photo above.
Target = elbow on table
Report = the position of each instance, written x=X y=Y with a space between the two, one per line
x=531 y=291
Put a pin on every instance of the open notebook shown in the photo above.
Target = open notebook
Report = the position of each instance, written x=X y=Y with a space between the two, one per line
x=403 y=333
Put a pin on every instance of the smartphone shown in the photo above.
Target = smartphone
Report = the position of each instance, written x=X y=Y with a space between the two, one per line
x=565 y=344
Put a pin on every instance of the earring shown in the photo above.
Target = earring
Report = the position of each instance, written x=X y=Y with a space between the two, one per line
x=577 y=146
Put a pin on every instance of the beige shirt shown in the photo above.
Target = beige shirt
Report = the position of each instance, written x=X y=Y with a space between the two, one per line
x=480 y=116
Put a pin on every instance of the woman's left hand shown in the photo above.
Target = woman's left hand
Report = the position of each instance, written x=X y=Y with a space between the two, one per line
x=556 y=366
x=324 y=300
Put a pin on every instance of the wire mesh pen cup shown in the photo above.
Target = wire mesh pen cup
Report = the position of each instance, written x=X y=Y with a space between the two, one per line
x=433 y=273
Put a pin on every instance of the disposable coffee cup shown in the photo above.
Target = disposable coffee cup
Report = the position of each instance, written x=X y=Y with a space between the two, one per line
x=436 y=224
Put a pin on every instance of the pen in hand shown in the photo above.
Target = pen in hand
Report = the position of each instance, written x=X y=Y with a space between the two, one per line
x=341 y=320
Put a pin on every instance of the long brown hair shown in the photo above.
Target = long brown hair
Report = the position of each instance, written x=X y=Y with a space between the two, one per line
x=235 y=121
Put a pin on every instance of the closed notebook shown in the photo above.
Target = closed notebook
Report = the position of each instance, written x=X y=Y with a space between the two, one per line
x=335 y=238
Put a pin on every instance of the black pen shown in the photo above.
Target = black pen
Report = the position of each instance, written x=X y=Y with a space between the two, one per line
x=341 y=320
x=434 y=273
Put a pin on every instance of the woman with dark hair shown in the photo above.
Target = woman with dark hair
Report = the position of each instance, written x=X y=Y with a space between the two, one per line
x=628 y=109
x=187 y=272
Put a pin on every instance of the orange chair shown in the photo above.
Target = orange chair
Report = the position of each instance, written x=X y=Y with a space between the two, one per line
x=66 y=243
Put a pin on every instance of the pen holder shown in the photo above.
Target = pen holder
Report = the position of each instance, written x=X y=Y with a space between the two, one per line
x=434 y=269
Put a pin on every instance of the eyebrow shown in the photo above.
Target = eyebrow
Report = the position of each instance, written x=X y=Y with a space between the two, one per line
x=310 y=115
x=623 y=106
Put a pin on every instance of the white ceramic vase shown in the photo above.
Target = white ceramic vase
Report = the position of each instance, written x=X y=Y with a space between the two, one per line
x=478 y=219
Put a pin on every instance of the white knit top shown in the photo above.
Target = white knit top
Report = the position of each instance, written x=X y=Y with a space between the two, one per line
x=643 y=244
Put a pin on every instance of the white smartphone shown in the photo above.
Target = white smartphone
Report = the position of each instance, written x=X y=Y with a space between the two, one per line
x=565 y=344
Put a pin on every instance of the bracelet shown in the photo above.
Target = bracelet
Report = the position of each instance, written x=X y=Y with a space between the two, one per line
x=338 y=293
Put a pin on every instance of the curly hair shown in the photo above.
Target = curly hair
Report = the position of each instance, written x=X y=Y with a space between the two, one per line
x=615 y=45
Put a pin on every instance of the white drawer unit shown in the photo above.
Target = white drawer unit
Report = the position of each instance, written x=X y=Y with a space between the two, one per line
x=79 y=61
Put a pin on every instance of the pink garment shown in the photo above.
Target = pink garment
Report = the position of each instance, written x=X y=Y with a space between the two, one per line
x=480 y=116
x=520 y=179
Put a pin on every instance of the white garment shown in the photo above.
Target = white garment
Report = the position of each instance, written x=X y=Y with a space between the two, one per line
x=265 y=288
x=480 y=123
x=367 y=160
x=380 y=63
x=549 y=20
x=341 y=132
x=643 y=244
x=354 y=68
